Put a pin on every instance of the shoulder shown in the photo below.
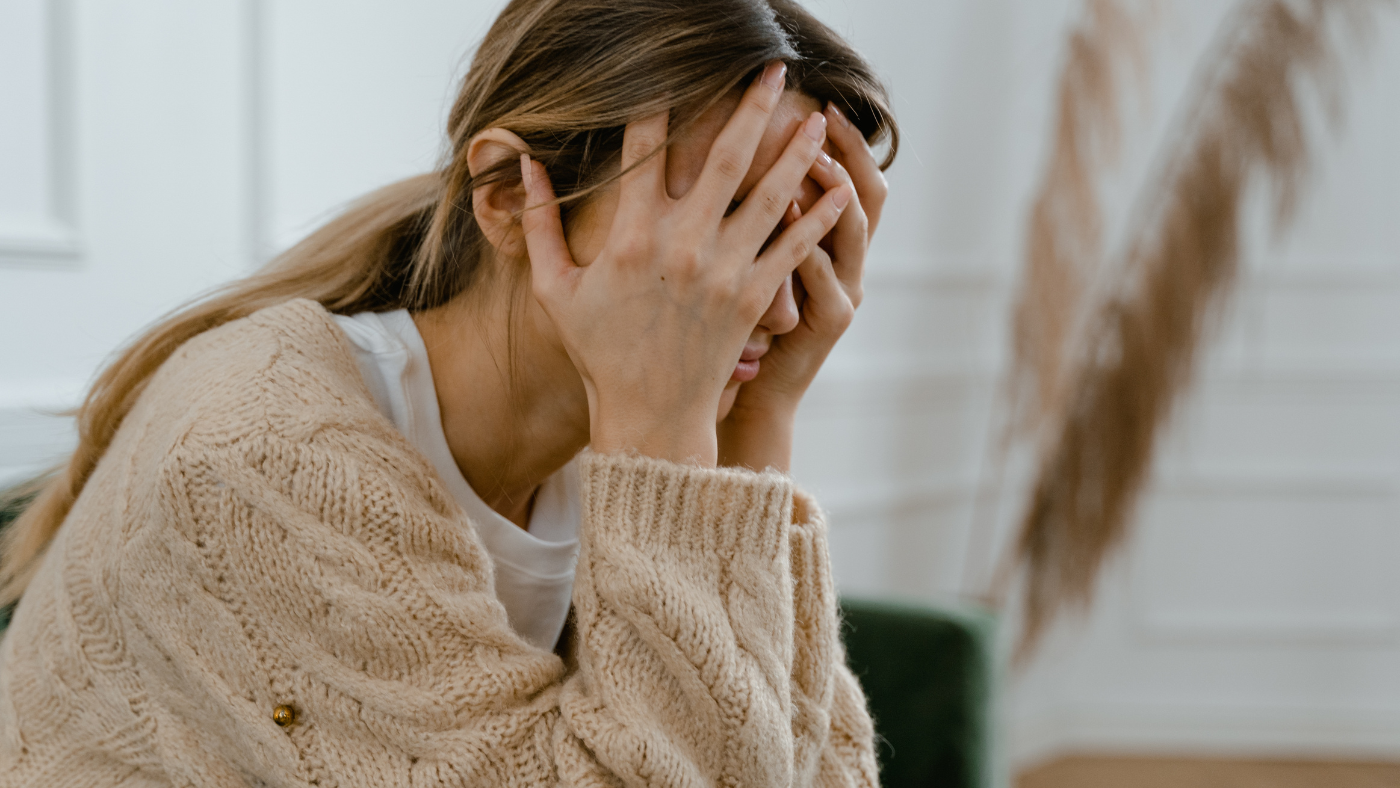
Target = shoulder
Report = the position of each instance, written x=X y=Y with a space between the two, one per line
x=262 y=391
x=285 y=370
x=276 y=401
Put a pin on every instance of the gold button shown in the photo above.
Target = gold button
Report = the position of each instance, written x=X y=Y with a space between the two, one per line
x=284 y=715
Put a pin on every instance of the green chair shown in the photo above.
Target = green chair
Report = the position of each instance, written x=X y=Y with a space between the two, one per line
x=927 y=674
x=8 y=513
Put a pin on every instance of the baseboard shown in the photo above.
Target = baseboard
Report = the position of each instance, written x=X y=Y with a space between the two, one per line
x=1338 y=734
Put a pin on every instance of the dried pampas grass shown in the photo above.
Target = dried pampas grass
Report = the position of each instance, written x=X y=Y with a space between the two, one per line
x=1066 y=224
x=1244 y=123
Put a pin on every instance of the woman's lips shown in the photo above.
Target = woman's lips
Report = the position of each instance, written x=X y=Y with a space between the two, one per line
x=745 y=371
x=747 y=368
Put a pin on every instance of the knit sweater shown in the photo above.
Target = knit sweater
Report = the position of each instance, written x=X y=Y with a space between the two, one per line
x=263 y=583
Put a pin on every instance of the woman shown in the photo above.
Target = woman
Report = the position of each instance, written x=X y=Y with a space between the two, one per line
x=329 y=526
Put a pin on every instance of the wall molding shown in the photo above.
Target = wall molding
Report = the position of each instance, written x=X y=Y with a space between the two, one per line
x=872 y=500
x=1319 y=482
x=922 y=269
x=1295 y=628
x=55 y=238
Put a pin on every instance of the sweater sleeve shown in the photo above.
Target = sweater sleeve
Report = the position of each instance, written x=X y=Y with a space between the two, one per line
x=306 y=614
x=832 y=730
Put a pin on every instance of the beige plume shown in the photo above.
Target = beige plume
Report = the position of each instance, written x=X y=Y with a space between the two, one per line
x=1064 y=243
x=1107 y=400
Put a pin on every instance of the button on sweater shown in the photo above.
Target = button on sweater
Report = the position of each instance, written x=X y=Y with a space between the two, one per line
x=264 y=583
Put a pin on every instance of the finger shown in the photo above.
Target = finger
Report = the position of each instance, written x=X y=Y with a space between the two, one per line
x=827 y=300
x=544 y=231
x=850 y=239
x=643 y=165
x=855 y=154
x=798 y=241
x=790 y=217
x=764 y=206
x=732 y=154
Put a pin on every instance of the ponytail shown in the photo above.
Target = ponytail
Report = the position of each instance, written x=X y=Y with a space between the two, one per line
x=355 y=263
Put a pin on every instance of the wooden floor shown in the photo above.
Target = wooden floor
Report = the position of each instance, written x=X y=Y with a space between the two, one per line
x=1192 y=773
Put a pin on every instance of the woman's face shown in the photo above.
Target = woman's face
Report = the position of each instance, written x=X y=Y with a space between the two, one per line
x=588 y=226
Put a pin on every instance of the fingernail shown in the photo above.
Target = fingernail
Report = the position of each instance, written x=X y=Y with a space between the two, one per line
x=775 y=75
x=794 y=211
x=839 y=116
x=815 y=127
x=527 y=172
x=841 y=197
x=823 y=158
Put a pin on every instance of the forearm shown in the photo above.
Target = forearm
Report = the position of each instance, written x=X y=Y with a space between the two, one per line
x=683 y=574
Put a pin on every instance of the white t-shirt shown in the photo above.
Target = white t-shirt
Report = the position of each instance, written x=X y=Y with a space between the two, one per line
x=534 y=569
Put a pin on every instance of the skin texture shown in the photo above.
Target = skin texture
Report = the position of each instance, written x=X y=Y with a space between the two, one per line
x=607 y=349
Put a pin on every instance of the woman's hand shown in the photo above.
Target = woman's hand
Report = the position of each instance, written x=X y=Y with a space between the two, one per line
x=757 y=433
x=657 y=322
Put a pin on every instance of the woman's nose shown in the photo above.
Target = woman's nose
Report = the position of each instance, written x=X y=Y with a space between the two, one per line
x=781 y=316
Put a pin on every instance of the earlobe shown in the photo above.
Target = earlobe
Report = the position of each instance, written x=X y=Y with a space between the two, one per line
x=497 y=205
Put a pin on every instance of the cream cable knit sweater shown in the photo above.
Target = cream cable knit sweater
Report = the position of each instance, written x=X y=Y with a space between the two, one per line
x=264 y=584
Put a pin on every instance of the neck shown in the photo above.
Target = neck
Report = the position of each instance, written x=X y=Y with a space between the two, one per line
x=510 y=422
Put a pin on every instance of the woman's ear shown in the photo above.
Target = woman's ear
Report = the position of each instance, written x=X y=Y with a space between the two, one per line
x=496 y=205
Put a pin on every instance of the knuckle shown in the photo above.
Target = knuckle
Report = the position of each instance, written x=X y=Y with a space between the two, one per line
x=844 y=317
x=638 y=146
x=771 y=204
x=832 y=215
x=862 y=224
x=729 y=164
x=801 y=248
x=543 y=289
x=687 y=262
x=880 y=187
x=634 y=246
x=759 y=101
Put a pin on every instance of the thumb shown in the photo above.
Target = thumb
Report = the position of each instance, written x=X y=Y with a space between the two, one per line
x=550 y=260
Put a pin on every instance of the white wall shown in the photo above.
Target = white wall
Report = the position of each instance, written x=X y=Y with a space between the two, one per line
x=153 y=148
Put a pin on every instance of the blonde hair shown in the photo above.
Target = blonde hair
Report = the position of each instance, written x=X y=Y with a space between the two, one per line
x=566 y=76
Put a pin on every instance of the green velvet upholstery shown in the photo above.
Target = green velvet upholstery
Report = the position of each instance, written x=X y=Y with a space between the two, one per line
x=927 y=673
x=8 y=512
x=928 y=676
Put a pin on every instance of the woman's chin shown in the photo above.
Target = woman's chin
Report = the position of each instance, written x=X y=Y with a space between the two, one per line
x=726 y=400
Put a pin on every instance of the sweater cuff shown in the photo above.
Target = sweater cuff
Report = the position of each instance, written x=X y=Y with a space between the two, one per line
x=661 y=507
x=814 y=595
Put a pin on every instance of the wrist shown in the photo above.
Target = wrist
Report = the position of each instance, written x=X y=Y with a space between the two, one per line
x=685 y=438
x=757 y=439
x=765 y=412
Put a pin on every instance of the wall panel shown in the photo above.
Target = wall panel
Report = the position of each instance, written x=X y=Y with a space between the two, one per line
x=37 y=157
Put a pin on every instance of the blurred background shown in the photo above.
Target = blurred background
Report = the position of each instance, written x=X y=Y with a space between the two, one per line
x=151 y=149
